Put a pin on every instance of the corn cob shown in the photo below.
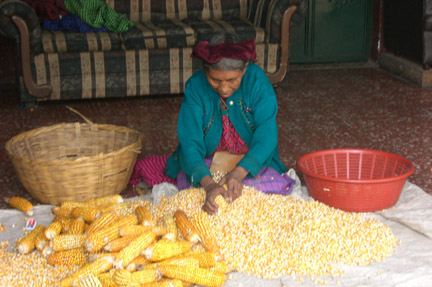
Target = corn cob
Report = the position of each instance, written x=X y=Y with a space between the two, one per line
x=89 y=281
x=77 y=226
x=41 y=241
x=144 y=216
x=201 y=222
x=186 y=228
x=121 y=209
x=221 y=202
x=21 y=204
x=123 y=278
x=177 y=261
x=65 y=222
x=68 y=257
x=47 y=250
x=86 y=213
x=72 y=204
x=27 y=243
x=135 y=230
x=119 y=243
x=205 y=259
x=134 y=249
x=220 y=267
x=53 y=229
x=164 y=283
x=200 y=276
x=137 y=263
x=104 y=220
x=95 y=268
x=62 y=211
x=164 y=249
x=67 y=241
x=97 y=240
x=107 y=280
x=99 y=255
x=105 y=201
x=171 y=228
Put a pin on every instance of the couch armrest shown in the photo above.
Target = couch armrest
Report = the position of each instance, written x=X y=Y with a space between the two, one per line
x=269 y=14
x=9 y=8
x=18 y=20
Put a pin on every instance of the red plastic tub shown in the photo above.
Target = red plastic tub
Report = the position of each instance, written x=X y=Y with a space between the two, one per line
x=358 y=180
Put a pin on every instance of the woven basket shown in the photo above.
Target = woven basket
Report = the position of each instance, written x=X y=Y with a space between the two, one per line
x=74 y=161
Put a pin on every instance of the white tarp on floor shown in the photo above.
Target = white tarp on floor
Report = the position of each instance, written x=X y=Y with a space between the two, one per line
x=411 y=265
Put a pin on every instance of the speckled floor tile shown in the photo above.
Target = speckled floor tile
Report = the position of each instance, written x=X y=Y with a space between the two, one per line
x=318 y=109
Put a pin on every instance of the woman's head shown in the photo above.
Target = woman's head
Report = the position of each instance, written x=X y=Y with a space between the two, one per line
x=224 y=59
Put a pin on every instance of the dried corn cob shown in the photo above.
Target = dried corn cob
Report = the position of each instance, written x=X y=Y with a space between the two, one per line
x=177 y=261
x=72 y=204
x=65 y=222
x=201 y=276
x=53 y=229
x=144 y=216
x=123 y=278
x=186 y=228
x=134 y=249
x=21 y=204
x=137 y=263
x=171 y=228
x=146 y=276
x=201 y=222
x=221 y=202
x=86 y=213
x=221 y=267
x=89 y=281
x=99 y=255
x=47 y=250
x=95 y=268
x=105 y=201
x=62 y=211
x=97 y=240
x=104 y=220
x=164 y=249
x=164 y=283
x=68 y=257
x=121 y=209
x=107 y=280
x=77 y=226
x=119 y=243
x=41 y=241
x=135 y=230
x=205 y=259
x=67 y=241
x=27 y=243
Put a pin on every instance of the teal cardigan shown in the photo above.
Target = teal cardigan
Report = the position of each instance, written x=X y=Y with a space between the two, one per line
x=252 y=110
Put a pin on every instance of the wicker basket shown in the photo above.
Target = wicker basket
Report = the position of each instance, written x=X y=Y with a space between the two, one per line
x=74 y=161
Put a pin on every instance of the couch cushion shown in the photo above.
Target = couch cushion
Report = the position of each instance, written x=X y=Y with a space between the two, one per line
x=62 y=42
x=243 y=27
x=159 y=34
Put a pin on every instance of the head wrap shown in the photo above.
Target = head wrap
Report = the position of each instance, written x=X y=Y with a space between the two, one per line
x=212 y=54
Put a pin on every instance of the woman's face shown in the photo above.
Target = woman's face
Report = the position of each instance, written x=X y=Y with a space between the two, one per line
x=225 y=83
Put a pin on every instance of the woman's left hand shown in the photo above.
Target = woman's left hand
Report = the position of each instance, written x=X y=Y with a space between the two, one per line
x=234 y=182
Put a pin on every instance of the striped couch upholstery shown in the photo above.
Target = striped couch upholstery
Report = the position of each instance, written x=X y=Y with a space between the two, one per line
x=152 y=58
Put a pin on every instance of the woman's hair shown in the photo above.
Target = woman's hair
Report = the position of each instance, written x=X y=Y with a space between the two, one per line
x=226 y=64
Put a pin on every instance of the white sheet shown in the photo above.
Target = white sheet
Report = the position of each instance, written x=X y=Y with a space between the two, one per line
x=410 y=220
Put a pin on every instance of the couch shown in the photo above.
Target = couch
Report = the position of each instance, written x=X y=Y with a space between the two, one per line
x=152 y=57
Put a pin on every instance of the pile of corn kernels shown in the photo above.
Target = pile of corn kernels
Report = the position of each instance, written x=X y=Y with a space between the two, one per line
x=270 y=235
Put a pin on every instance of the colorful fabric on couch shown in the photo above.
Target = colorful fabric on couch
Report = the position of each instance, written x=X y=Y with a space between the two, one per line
x=70 y=22
x=98 y=14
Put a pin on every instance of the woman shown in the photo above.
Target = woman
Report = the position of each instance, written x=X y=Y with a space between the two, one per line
x=228 y=110
x=229 y=105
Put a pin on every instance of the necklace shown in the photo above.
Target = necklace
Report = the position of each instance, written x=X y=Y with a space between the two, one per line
x=223 y=103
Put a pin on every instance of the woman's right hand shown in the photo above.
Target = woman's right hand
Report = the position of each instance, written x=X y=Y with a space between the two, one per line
x=212 y=190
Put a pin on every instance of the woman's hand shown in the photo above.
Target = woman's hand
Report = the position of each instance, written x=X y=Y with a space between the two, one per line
x=234 y=182
x=212 y=190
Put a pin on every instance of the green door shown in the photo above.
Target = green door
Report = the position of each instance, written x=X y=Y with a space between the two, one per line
x=333 y=31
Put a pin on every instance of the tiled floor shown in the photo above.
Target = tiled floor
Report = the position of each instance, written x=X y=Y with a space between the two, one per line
x=319 y=108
